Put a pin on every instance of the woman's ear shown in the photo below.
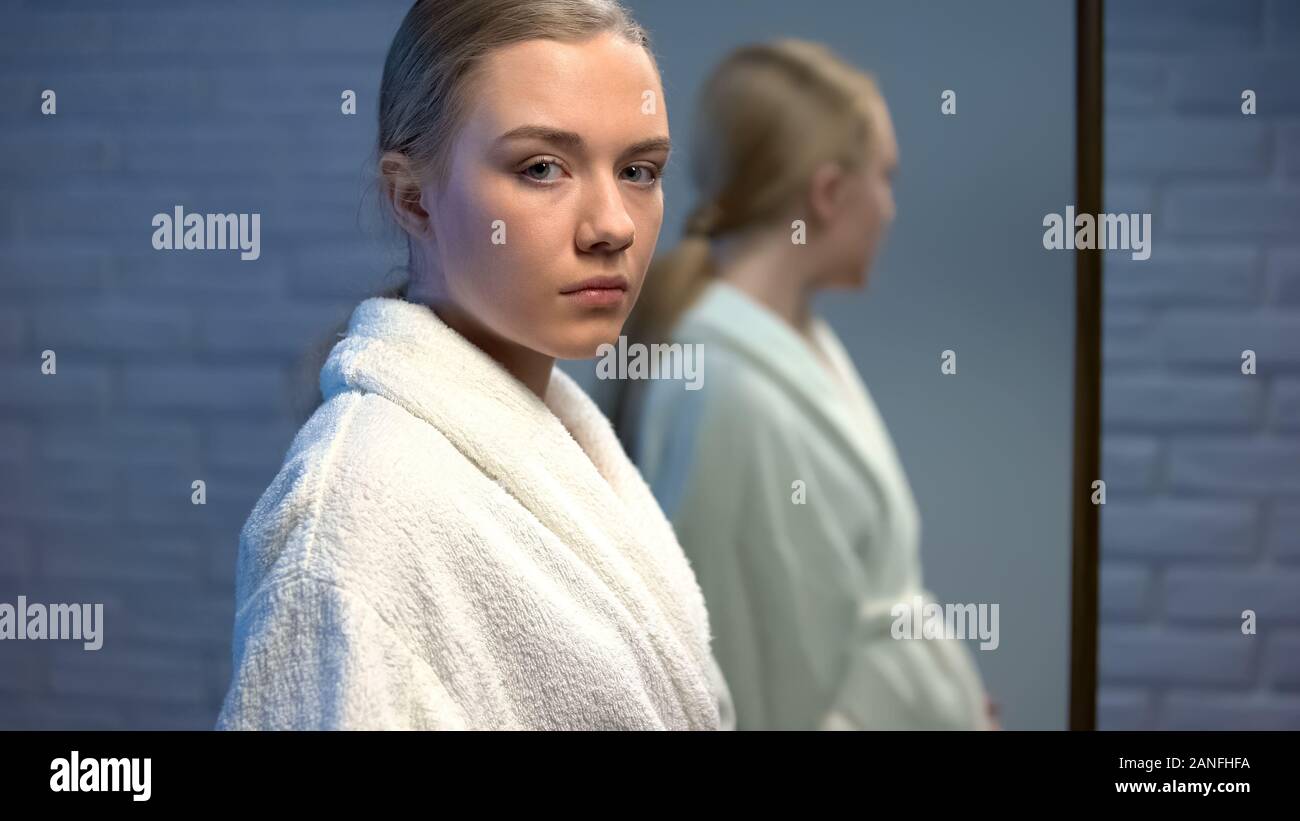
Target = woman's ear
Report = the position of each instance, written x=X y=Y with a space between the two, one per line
x=402 y=190
x=825 y=191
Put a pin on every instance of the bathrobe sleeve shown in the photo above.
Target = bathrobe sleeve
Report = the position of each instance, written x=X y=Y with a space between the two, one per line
x=313 y=656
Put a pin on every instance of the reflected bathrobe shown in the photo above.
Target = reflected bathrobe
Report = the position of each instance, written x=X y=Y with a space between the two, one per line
x=444 y=550
x=800 y=595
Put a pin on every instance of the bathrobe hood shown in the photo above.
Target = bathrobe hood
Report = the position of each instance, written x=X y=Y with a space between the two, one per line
x=500 y=547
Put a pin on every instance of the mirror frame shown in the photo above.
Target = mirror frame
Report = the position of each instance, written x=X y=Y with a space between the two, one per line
x=1089 y=80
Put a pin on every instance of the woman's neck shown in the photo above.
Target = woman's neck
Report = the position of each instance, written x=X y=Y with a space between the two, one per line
x=528 y=366
x=772 y=270
x=428 y=287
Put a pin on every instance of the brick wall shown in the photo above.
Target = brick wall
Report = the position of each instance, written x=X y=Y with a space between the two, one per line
x=172 y=366
x=1202 y=463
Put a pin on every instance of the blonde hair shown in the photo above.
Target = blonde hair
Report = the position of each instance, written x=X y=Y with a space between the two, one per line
x=427 y=85
x=767 y=116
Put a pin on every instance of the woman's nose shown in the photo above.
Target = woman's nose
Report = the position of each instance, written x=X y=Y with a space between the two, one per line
x=605 y=224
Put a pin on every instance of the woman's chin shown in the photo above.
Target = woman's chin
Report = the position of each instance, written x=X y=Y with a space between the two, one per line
x=585 y=340
x=850 y=282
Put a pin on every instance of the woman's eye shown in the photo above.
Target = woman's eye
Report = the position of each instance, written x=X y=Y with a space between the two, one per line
x=642 y=174
x=541 y=171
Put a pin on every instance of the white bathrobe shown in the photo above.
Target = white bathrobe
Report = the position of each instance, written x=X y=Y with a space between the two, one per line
x=800 y=594
x=443 y=550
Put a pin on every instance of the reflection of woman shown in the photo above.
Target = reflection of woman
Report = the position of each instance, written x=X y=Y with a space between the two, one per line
x=456 y=539
x=779 y=475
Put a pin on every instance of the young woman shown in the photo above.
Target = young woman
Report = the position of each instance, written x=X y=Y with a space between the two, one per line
x=779 y=475
x=456 y=539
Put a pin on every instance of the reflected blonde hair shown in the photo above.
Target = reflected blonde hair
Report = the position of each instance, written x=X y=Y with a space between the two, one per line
x=767 y=116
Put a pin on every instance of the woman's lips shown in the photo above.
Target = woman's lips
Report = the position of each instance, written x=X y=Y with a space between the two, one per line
x=598 y=292
x=598 y=297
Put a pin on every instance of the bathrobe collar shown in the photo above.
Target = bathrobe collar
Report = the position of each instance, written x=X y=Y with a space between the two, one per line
x=559 y=458
x=836 y=397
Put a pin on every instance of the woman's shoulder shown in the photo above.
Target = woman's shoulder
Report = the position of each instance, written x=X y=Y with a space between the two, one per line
x=357 y=442
x=361 y=477
x=367 y=438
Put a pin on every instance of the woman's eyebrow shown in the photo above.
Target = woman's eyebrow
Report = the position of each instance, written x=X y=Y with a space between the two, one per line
x=567 y=139
x=652 y=144
x=574 y=141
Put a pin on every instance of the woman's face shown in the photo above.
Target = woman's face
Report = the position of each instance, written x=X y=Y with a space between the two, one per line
x=554 y=180
x=868 y=207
